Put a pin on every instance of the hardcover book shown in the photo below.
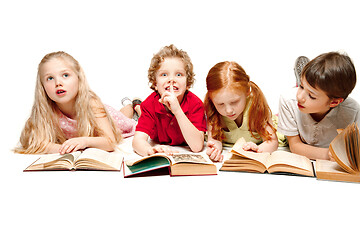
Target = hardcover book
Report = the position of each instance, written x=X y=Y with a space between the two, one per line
x=179 y=164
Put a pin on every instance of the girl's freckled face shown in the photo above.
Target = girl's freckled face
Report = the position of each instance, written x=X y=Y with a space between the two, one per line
x=229 y=103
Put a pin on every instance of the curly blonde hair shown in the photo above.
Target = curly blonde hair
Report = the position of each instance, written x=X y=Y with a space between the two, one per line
x=43 y=128
x=170 y=52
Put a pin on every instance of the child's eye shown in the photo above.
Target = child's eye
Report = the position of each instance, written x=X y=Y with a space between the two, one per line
x=313 y=98
x=65 y=75
x=163 y=74
x=179 y=75
x=50 y=78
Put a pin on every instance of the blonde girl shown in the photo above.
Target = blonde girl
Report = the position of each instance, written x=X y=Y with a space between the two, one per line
x=66 y=115
x=236 y=107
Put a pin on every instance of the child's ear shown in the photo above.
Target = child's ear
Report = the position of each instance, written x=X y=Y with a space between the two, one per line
x=335 y=101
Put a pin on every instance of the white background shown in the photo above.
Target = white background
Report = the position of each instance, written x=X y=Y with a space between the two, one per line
x=114 y=42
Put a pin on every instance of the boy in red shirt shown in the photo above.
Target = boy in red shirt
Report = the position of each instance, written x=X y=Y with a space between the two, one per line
x=171 y=115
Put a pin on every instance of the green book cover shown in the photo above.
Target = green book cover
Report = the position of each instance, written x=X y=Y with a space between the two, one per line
x=148 y=165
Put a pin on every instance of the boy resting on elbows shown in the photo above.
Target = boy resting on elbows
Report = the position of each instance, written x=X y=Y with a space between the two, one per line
x=171 y=115
x=310 y=119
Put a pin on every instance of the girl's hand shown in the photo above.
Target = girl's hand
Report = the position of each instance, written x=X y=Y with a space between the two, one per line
x=161 y=149
x=170 y=100
x=250 y=146
x=213 y=152
x=73 y=144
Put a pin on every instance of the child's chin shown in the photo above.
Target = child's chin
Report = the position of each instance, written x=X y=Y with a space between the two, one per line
x=302 y=110
x=232 y=118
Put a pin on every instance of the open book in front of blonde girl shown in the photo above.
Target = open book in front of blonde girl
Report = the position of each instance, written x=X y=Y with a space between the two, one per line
x=66 y=115
x=236 y=107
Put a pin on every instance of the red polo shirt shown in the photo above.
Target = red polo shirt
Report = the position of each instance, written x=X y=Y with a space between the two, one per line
x=162 y=126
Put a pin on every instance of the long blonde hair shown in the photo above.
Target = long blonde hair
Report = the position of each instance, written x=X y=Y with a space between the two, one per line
x=42 y=127
x=231 y=74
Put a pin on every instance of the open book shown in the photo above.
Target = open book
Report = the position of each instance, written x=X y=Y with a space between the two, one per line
x=278 y=161
x=345 y=149
x=180 y=164
x=89 y=159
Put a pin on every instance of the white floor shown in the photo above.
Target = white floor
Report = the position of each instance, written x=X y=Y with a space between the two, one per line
x=114 y=44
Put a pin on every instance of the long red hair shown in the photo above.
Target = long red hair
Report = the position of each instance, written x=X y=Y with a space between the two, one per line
x=232 y=75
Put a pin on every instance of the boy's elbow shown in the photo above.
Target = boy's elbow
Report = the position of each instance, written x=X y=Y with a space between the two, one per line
x=199 y=145
x=134 y=146
x=197 y=148
x=294 y=149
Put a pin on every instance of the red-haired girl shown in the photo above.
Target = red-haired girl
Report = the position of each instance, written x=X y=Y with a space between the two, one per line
x=236 y=107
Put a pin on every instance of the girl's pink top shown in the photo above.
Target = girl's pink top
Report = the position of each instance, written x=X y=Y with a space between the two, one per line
x=124 y=124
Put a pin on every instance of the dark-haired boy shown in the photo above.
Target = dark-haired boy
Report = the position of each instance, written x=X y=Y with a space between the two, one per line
x=321 y=106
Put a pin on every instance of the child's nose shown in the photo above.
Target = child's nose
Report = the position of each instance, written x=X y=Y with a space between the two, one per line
x=229 y=110
x=58 y=82
x=301 y=96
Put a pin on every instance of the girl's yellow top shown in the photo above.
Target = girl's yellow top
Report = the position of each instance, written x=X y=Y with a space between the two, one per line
x=234 y=132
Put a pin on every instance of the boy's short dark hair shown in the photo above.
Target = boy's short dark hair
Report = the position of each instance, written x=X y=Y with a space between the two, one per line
x=333 y=73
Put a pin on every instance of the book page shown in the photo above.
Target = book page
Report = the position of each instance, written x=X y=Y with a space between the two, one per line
x=235 y=162
x=71 y=157
x=54 y=161
x=329 y=170
x=328 y=166
x=357 y=146
x=100 y=158
x=337 y=149
x=190 y=158
x=290 y=159
x=260 y=157
x=352 y=145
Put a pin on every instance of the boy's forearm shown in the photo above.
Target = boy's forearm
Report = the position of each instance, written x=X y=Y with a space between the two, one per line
x=309 y=151
x=140 y=146
x=195 y=140
x=193 y=137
